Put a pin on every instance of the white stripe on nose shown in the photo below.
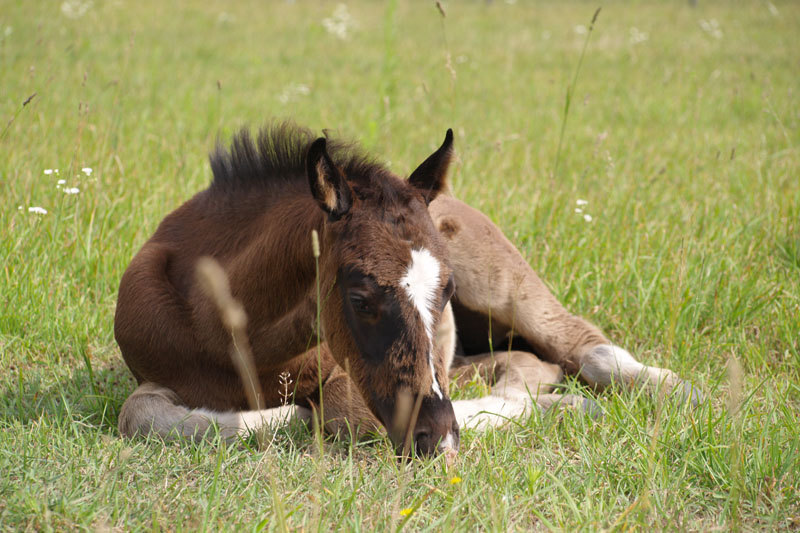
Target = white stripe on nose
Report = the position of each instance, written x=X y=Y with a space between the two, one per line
x=420 y=283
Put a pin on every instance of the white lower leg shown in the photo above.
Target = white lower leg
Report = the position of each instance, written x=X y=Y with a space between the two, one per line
x=489 y=411
x=239 y=423
x=606 y=364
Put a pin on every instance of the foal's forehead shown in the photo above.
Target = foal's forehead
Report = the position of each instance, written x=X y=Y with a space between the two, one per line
x=388 y=251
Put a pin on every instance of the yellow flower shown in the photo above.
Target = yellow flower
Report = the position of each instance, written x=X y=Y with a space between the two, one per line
x=454 y=480
x=407 y=511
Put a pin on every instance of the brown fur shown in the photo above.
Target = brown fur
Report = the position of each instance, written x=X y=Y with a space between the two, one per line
x=256 y=221
x=173 y=341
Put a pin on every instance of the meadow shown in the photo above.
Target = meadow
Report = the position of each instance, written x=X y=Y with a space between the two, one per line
x=668 y=214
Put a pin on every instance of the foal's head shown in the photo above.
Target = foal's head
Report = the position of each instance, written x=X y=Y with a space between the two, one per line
x=386 y=281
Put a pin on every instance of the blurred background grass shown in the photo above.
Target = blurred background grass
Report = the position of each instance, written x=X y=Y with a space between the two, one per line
x=682 y=137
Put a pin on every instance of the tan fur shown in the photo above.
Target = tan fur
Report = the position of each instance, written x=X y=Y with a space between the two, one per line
x=329 y=193
x=187 y=382
x=493 y=279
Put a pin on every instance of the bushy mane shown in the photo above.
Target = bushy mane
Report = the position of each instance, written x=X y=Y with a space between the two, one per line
x=278 y=155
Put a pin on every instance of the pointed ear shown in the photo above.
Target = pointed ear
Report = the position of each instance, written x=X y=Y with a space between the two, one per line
x=431 y=176
x=328 y=185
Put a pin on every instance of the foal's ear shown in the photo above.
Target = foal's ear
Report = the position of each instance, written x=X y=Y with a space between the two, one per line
x=328 y=184
x=431 y=176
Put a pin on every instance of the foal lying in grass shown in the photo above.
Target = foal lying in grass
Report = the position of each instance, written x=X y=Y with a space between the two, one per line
x=410 y=283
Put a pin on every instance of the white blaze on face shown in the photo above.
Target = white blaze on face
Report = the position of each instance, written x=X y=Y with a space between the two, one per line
x=421 y=283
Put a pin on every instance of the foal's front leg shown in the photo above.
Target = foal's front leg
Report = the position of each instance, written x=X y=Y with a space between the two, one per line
x=493 y=279
x=156 y=410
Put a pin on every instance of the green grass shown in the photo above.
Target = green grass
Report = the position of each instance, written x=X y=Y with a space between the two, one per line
x=685 y=145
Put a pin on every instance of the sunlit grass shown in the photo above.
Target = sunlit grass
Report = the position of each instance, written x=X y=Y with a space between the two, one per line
x=681 y=144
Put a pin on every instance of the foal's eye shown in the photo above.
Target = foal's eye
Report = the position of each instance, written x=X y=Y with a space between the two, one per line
x=362 y=307
x=450 y=288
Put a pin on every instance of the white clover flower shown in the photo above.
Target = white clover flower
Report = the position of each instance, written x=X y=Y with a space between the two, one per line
x=587 y=218
x=38 y=210
x=581 y=202
x=48 y=171
x=72 y=190
x=87 y=171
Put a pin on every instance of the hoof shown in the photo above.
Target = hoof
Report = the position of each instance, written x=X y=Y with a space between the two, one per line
x=574 y=401
x=593 y=409
x=689 y=392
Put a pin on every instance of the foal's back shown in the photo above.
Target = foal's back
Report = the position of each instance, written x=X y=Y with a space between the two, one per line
x=255 y=221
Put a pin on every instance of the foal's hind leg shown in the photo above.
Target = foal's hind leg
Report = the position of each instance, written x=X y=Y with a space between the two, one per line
x=156 y=410
x=518 y=379
x=493 y=279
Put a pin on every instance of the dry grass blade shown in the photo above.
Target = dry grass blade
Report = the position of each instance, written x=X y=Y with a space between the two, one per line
x=214 y=282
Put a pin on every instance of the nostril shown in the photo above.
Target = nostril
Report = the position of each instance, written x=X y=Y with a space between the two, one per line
x=422 y=441
x=421 y=434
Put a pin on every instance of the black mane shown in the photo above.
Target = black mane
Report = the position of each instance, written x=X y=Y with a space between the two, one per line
x=278 y=156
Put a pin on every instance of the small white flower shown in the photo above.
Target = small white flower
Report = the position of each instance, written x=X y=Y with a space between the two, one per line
x=587 y=218
x=293 y=91
x=38 y=210
x=637 y=36
x=340 y=23
x=225 y=17
x=48 y=171
x=578 y=210
x=712 y=28
x=772 y=10
x=72 y=190
x=75 y=8
x=581 y=202
x=61 y=182
x=87 y=171
x=19 y=208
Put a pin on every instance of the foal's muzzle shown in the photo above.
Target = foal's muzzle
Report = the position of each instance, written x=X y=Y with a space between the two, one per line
x=435 y=429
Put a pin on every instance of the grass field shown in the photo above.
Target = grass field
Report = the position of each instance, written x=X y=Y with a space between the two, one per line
x=682 y=135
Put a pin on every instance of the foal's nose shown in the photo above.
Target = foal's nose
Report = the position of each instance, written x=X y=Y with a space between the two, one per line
x=436 y=430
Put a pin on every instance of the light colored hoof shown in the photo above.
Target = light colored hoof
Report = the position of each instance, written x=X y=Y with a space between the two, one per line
x=592 y=409
x=689 y=392
x=585 y=405
x=303 y=414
